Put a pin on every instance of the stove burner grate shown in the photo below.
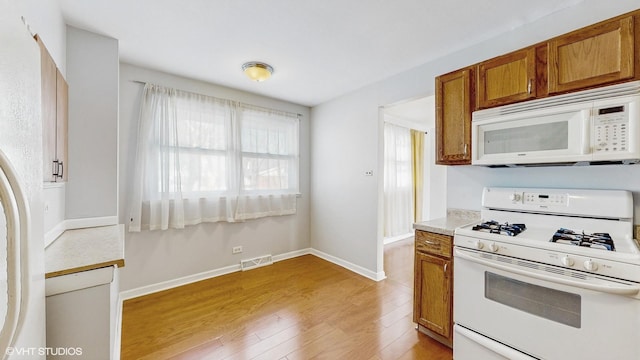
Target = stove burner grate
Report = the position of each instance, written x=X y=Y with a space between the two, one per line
x=495 y=227
x=596 y=240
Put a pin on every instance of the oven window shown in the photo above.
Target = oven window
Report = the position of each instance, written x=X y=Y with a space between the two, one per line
x=554 y=305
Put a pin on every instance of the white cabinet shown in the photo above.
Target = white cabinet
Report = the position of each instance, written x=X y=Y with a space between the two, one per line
x=82 y=313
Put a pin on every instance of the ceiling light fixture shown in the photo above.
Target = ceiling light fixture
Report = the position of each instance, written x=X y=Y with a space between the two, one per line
x=257 y=71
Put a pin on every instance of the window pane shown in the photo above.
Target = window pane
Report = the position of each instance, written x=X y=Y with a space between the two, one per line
x=201 y=172
x=202 y=124
x=269 y=142
x=266 y=133
x=265 y=174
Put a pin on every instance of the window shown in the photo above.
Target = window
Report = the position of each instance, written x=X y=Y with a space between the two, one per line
x=203 y=159
x=269 y=152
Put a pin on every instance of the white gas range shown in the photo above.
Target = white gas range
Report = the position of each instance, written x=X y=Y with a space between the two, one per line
x=545 y=265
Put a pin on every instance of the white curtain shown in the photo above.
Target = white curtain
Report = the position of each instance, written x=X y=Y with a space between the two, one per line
x=204 y=159
x=398 y=198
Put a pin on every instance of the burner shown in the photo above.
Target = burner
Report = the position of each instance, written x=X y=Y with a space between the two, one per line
x=494 y=227
x=596 y=240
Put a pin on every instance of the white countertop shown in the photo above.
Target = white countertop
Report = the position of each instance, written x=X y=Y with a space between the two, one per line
x=85 y=249
x=447 y=225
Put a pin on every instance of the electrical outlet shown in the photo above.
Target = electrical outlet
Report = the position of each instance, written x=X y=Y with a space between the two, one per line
x=368 y=173
x=236 y=250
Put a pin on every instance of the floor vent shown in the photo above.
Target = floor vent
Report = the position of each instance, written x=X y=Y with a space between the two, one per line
x=249 y=264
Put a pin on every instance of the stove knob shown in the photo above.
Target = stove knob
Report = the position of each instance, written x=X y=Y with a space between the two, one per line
x=590 y=265
x=494 y=247
x=514 y=197
x=567 y=261
x=479 y=245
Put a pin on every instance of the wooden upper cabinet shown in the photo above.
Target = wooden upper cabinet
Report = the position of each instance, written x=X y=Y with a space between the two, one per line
x=454 y=104
x=592 y=56
x=507 y=79
x=55 y=113
x=62 y=124
x=49 y=111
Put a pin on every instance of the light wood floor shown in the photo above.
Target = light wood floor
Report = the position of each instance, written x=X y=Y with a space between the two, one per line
x=302 y=308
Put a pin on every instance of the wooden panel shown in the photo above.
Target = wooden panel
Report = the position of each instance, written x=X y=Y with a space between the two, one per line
x=507 y=79
x=542 y=76
x=432 y=307
x=62 y=120
x=601 y=54
x=48 y=111
x=435 y=244
x=454 y=104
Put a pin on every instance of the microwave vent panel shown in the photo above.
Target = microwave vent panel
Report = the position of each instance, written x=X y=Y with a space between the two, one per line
x=608 y=92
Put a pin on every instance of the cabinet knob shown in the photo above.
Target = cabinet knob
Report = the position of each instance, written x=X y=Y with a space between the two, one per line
x=529 y=86
x=466 y=149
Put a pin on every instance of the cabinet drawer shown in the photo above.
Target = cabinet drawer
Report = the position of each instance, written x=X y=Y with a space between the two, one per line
x=431 y=243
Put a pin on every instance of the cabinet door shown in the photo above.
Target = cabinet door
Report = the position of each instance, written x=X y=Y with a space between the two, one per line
x=600 y=54
x=507 y=79
x=454 y=104
x=49 y=112
x=432 y=303
x=62 y=121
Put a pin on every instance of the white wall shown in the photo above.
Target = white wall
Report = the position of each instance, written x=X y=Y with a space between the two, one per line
x=156 y=256
x=92 y=188
x=466 y=182
x=346 y=141
x=45 y=19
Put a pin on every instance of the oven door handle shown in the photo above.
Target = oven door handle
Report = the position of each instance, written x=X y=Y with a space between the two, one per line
x=609 y=289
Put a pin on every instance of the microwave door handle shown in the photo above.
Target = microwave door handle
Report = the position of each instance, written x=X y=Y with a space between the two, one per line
x=609 y=289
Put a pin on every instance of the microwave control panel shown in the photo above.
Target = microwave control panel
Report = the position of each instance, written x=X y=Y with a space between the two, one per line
x=611 y=129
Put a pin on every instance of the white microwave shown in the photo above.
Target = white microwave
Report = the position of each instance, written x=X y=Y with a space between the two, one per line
x=589 y=127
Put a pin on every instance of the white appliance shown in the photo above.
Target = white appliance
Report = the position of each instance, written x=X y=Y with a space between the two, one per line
x=548 y=274
x=23 y=332
x=589 y=127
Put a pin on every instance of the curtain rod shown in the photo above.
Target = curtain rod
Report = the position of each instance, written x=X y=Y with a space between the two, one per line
x=260 y=107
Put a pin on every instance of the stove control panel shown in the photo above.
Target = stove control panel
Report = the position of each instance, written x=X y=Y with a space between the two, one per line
x=545 y=199
x=580 y=263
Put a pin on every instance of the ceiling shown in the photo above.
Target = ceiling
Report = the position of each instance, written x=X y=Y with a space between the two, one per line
x=320 y=50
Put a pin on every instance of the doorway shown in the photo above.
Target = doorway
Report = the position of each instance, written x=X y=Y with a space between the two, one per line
x=430 y=203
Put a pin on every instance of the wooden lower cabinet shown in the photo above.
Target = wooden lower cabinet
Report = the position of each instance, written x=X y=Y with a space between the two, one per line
x=433 y=287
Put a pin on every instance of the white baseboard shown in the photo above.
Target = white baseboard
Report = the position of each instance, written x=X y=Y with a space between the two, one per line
x=91 y=222
x=350 y=266
x=169 y=284
x=71 y=224
x=53 y=234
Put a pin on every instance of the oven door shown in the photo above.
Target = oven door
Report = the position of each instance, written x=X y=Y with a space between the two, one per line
x=546 y=312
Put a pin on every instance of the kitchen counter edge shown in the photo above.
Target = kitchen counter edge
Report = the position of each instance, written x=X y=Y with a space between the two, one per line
x=447 y=225
x=85 y=249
